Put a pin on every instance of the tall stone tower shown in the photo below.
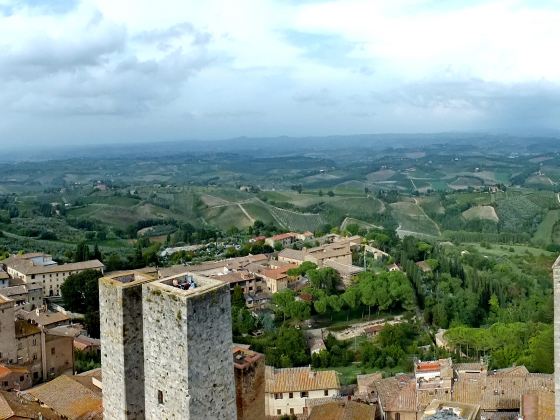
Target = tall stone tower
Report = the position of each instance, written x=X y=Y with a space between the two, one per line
x=8 y=351
x=122 y=345
x=188 y=362
x=556 y=280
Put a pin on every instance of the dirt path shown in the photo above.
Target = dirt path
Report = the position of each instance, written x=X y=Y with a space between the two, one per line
x=245 y=213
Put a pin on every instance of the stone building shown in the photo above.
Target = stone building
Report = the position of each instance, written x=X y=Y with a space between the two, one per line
x=40 y=268
x=122 y=342
x=556 y=280
x=187 y=349
x=249 y=383
x=7 y=331
x=288 y=391
x=166 y=347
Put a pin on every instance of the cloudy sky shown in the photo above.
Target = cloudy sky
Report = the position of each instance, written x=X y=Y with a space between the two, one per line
x=78 y=71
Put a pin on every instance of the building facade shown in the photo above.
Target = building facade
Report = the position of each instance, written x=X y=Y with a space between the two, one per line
x=288 y=390
x=7 y=331
x=122 y=343
x=40 y=268
x=166 y=347
x=187 y=349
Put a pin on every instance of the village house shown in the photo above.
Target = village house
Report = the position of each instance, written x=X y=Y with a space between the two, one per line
x=287 y=390
x=24 y=344
x=70 y=397
x=284 y=239
x=4 y=278
x=498 y=393
x=40 y=268
x=276 y=278
x=14 y=378
x=15 y=405
x=25 y=296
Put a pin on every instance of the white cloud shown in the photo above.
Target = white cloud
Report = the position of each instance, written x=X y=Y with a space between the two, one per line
x=219 y=68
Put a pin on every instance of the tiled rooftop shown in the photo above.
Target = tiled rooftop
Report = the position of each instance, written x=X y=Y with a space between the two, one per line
x=299 y=379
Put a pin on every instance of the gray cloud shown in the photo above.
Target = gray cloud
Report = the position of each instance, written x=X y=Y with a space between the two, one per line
x=98 y=74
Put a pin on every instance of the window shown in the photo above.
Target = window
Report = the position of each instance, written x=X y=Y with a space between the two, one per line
x=34 y=341
x=160 y=397
x=34 y=356
x=304 y=394
x=326 y=392
x=5 y=383
x=278 y=396
x=291 y=411
x=35 y=375
x=21 y=378
x=398 y=416
x=53 y=351
x=291 y=395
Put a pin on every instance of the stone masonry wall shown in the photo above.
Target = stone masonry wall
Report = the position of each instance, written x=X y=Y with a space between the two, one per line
x=122 y=351
x=188 y=360
x=250 y=387
x=7 y=332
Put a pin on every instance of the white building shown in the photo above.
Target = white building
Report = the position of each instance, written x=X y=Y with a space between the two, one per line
x=287 y=390
x=40 y=268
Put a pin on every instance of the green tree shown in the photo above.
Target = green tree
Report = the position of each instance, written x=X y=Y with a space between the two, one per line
x=80 y=292
x=82 y=252
x=237 y=297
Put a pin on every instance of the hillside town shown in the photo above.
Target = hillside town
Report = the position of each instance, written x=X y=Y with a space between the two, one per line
x=167 y=350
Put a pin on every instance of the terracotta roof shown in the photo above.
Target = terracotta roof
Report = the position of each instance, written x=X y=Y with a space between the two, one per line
x=292 y=254
x=6 y=371
x=538 y=405
x=299 y=379
x=368 y=379
x=44 y=318
x=283 y=236
x=24 y=328
x=70 y=397
x=397 y=393
x=4 y=299
x=278 y=273
x=94 y=373
x=6 y=411
x=501 y=391
x=343 y=410
x=504 y=393
x=235 y=276
x=427 y=366
x=22 y=407
x=347 y=269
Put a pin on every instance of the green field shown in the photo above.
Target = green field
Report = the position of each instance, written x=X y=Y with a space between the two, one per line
x=544 y=232
x=413 y=220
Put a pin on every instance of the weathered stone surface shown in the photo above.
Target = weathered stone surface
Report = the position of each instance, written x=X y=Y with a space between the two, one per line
x=187 y=347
